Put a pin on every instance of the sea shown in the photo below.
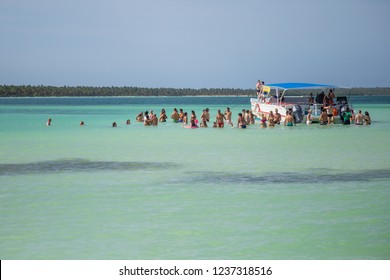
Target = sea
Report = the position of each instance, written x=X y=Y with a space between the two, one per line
x=168 y=193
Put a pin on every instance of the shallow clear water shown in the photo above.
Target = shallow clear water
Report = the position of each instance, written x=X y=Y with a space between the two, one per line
x=135 y=192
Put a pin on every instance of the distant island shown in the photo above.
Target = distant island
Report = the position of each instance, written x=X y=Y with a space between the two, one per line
x=65 y=91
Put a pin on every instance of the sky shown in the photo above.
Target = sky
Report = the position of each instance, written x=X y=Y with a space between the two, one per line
x=194 y=43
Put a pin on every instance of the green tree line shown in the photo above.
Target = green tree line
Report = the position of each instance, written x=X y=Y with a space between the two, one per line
x=40 y=91
x=49 y=91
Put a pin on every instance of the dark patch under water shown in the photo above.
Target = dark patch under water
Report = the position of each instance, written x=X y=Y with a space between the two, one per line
x=289 y=177
x=79 y=165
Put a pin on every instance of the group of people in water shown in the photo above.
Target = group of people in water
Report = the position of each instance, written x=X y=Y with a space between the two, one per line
x=329 y=113
x=244 y=118
x=347 y=117
x=247 y=117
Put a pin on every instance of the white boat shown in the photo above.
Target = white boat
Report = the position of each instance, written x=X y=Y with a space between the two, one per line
x=274 y=97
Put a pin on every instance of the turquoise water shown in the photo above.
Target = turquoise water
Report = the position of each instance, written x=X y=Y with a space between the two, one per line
x=135 y=192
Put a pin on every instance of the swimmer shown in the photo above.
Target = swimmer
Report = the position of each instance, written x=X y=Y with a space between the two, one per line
x=81 y=123
x=114 y=124
x=48 y=123
x=128 y=122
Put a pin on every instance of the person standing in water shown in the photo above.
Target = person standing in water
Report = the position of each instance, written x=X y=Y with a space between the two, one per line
x=163 y=116
x=228 y=115
x=175 y=115
x=278 y=117
x=289 y=120
x=140 y=117
x=271 y=119
x=359 y=118
x=347 y=116
x=203 y=119
x=241 y=123
x=48 y=123
x=309 y=118
x=263 y=121
x=219 y=119
x=193 y=120
x=367 y=118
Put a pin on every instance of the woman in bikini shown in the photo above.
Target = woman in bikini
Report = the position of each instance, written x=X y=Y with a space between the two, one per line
x=263 y=121
x=271 y=119
x=241 y=123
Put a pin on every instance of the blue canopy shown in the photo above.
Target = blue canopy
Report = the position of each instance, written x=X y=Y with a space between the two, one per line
x=299 y=85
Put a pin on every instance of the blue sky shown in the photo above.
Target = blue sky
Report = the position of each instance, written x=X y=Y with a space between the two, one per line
x=194 y=43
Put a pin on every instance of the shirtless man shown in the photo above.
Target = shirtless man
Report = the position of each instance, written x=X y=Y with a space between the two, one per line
x=359 y=118
x=203 y=119
x=207 y=115
x=277 y=117
x=140 y=117
x=181 y=115
x=323 y=117
x=228 y=115
x=289 y=120
x=252 y=117
x=175 y=115
x=219 y=119
x=147 y=120
x=154 y=120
